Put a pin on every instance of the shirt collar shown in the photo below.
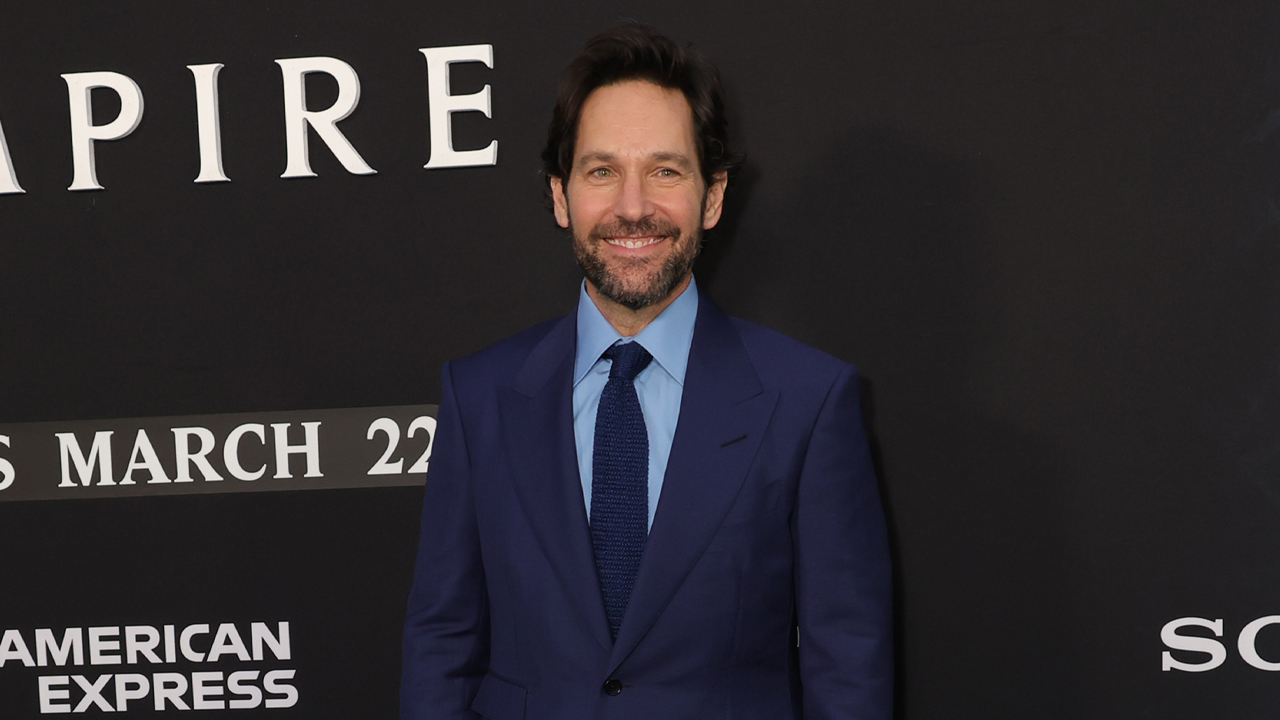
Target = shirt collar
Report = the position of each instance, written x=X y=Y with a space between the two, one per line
x=667 y=338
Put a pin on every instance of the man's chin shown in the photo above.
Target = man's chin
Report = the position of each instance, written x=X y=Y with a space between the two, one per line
x=637 y=295
x=634 y=299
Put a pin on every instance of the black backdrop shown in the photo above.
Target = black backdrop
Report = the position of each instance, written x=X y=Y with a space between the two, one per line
x=1047 y=234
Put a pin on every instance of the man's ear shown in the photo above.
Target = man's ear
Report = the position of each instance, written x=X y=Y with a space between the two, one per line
x=558 y=201
x=715 y=200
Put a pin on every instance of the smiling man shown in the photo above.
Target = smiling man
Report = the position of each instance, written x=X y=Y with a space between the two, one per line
x=647 y=509
x=636 y=189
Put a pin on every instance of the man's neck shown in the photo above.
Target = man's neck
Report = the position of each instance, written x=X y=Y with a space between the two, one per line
x=630 y=322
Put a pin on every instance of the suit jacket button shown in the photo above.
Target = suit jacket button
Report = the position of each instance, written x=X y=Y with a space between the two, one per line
x=612 y=686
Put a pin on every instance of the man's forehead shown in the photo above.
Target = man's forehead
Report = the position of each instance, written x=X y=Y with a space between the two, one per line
x=635 y=117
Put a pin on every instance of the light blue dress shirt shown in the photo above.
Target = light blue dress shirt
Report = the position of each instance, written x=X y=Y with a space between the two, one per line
x=659 y=386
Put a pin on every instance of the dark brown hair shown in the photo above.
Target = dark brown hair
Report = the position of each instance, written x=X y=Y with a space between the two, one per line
x=638 y=52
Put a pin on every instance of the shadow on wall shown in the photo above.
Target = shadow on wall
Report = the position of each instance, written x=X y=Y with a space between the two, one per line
x=719 y=241
x=881 y=254
x=1247 y=420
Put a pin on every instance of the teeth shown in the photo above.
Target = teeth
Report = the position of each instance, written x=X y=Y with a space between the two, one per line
x=632 y=243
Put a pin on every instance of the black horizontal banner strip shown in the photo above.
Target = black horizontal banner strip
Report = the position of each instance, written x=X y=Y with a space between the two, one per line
x=199 y=454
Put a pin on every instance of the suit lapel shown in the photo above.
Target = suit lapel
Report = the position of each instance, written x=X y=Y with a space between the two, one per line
x=537 y=418
x=723 y=414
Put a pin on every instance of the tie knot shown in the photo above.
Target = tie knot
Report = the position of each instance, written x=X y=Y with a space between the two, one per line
x=628 y=360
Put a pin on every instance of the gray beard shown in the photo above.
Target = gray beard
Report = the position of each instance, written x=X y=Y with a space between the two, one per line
x=661 y=283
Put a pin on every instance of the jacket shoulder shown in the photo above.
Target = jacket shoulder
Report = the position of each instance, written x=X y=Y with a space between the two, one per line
x=499 y=362
x=781 y=360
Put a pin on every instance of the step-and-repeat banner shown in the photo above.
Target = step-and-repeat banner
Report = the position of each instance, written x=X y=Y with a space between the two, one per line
x=237 y=242
x=311 y=450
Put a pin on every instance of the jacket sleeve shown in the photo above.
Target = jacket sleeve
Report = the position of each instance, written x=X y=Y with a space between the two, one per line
x=446 y=632
x=842 y=573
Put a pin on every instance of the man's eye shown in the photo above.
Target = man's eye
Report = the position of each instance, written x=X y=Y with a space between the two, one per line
x=600 y=172
x=667 y=172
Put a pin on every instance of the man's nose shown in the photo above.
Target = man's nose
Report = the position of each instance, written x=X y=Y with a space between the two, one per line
x=633 y=202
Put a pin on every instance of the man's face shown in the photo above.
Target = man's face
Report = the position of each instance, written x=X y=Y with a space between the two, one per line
x=635 y=201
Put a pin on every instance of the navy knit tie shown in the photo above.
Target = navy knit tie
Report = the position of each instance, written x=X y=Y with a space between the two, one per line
x=620 y=481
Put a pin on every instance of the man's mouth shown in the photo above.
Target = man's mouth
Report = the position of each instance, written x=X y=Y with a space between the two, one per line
x=633 y=243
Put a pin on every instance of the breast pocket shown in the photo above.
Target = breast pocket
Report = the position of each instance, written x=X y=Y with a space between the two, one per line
x=754 y=504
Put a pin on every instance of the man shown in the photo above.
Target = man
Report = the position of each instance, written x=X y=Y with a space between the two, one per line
x=646 y=508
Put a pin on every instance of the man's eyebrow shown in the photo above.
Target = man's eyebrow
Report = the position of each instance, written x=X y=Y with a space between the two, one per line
x=588 y=158
x=673 y=158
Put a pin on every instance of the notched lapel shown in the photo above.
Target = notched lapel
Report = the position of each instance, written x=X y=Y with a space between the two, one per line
x=537 y=424
x=723 y=415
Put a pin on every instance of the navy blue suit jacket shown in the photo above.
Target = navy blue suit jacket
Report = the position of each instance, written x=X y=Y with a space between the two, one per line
x=769 y=520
